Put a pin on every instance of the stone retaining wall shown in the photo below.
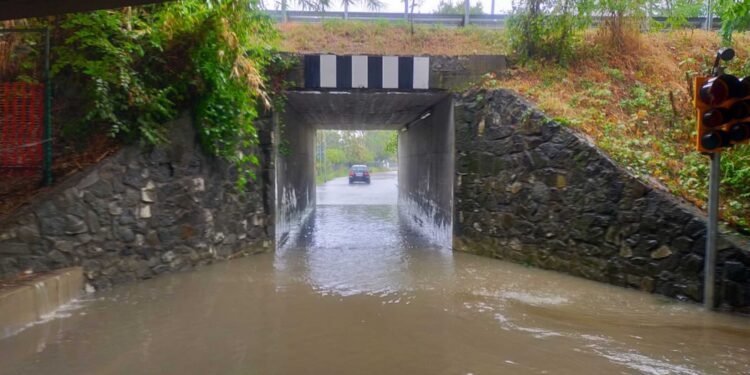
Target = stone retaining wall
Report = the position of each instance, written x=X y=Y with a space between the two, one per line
x=534 y=192
x=139 y=213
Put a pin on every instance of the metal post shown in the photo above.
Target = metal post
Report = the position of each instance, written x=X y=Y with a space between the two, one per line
x=47 y=113
x=709 y=300
x=346 y=9
x=467 y=8
x=406 y=9
x=284 y=15
x=709 y=15
x=492 y=11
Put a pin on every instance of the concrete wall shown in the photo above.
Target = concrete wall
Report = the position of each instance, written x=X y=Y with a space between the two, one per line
x=139 y=213
x=460 y=72
x=445 y=73
x=30 y=301
x=295 y=173
x=425 y=177
x=532 y=191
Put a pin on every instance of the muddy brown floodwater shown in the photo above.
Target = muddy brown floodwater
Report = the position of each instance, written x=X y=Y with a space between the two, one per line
x=362 y=294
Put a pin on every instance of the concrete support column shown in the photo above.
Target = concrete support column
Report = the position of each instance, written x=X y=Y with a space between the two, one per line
x=426 y=172
x=295 y=173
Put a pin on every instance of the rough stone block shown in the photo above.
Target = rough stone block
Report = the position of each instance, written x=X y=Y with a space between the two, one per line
x=125 y=234
x=29 y=234
x=75 y=225
x=101 y=189
x=14 y=248
x=144 y=211
x=114 y=209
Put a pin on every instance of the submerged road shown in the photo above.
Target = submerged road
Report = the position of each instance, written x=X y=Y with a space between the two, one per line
x=362 y=294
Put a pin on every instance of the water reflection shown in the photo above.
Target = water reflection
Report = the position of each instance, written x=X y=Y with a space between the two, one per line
x=347 y=250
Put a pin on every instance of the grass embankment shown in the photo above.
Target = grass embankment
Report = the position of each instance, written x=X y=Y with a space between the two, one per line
x=389 y=38
x=634 y=103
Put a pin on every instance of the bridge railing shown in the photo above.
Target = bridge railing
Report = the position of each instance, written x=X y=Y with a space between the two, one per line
x=452 y=20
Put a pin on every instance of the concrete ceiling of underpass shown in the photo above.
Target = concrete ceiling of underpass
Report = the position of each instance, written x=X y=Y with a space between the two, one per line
x=361 y=110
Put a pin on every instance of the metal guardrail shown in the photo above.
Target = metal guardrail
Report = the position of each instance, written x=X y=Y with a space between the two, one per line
x=454 y=20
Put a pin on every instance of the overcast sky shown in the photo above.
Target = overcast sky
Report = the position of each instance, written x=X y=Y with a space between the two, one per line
x=427 y=6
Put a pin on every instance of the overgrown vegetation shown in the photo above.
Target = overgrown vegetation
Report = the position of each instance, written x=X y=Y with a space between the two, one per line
x=735 y=16
x=127 y=72
x=637 y=106
x=630 y=89
x=549 y=29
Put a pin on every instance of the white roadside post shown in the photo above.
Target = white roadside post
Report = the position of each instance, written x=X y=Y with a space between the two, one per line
x=467 y=8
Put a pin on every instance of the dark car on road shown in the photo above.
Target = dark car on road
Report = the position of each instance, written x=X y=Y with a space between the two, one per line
x=359 y=173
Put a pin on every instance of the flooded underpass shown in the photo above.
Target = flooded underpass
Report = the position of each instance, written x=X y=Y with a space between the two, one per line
x=361 y=293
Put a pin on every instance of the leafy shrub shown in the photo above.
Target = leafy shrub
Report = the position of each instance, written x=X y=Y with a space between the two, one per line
x=622 y=22
x=735 y=16
x=547 y=29
x=677 y=12
x=100 y=57
x=137 y=67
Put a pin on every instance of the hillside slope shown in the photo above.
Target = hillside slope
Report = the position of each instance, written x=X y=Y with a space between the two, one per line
x=351 y=37
x=636 y=105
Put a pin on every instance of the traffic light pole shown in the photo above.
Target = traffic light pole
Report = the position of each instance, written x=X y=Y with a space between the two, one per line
x=709 y=282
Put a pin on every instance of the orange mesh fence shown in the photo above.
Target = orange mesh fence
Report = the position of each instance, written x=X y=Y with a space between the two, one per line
x=21 y=129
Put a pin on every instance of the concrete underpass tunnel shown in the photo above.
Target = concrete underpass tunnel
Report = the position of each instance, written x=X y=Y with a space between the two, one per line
x=424 y=121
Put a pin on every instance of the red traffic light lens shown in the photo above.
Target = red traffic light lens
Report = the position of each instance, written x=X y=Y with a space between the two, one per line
x=714 y=91
x=715 y=139
x=740 y=132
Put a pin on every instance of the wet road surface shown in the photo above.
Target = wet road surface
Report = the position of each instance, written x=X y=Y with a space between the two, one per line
x=361 y=294
x=383 y=190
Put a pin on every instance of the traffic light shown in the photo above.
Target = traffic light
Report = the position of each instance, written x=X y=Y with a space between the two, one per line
x=723 y=106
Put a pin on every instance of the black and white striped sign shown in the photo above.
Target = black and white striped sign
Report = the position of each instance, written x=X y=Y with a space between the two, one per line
x=373 y=72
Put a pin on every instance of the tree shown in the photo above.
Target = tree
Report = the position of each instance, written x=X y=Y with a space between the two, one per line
x=392 y=146
x=621 y=19
x=335 y=156
x=677 y=12
x=322 y=5
x=414 y=4
x=547 y=28
x=735 y=16
x=448 y=7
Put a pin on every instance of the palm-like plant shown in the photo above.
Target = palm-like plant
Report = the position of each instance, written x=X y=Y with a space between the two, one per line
x=322 y=5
